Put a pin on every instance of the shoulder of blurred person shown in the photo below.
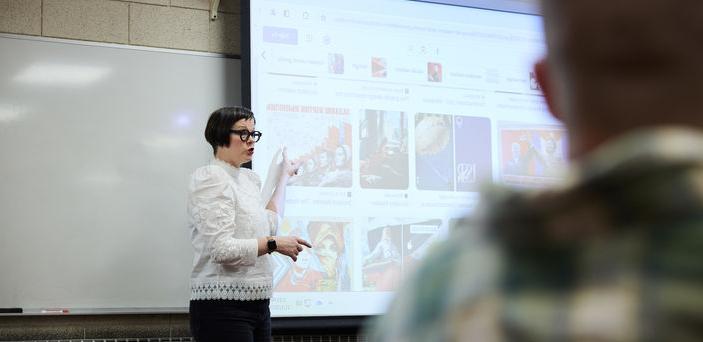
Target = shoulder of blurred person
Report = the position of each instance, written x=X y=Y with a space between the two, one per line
x=571 y=262
x=614 y=252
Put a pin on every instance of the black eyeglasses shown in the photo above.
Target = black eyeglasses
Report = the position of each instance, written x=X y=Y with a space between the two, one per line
x=245 y=134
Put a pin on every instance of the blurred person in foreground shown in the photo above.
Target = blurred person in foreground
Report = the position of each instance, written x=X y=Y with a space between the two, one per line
x=615 y=253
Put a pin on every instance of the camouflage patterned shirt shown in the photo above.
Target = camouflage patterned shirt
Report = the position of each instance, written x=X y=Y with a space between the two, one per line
x=615 y=254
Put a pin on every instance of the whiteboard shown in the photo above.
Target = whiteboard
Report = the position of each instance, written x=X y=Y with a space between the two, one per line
x=97 y=143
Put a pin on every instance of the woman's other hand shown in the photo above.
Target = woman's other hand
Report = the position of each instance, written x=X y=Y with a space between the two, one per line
x=290 y=168
x=291 y=246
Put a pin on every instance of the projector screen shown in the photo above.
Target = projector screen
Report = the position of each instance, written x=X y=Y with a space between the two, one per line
x=398 y=111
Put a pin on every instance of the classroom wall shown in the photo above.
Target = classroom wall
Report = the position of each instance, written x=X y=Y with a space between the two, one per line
x=177 y=24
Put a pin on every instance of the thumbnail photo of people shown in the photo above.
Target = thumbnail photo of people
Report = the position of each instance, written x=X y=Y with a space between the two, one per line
x=321 y=142
x=434 y=72
x=383 y=150
x=434 y=152
x=325 y=267
x=532 y=156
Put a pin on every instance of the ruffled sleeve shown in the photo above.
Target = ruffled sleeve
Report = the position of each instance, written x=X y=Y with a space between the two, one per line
x=212 y=204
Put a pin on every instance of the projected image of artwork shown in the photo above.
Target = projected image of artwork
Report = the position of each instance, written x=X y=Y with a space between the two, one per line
x=417 y=239
x=325 y=267
x=383 y=150
x=378 y=67
x=335 y=63
x=434 y=72
x=434 y=152
x=534 y=85
x=472 y=152
x=532 y=156
x=393 y=247
x=382 y=262
x=321 y=142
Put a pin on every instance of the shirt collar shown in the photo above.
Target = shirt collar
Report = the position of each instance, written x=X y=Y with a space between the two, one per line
x=231 y=170
x=654 y=147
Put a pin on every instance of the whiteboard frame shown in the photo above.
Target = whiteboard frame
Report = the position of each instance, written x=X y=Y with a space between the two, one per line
x=118 y=46
x=110 y=311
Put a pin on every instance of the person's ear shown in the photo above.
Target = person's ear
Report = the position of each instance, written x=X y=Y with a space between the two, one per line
x=542 y=73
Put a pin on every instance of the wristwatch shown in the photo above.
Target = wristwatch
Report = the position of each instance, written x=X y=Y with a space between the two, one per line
x=271 y=244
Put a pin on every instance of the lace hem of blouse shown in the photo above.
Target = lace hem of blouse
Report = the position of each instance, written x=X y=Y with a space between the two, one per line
x=231 y=290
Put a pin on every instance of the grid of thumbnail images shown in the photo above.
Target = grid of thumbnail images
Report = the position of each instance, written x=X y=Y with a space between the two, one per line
x=389 y=248
x=395 y=151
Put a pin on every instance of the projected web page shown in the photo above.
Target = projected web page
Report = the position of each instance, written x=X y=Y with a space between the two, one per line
x=398 y=111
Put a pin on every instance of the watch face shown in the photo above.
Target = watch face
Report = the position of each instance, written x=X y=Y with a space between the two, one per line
x=271 y=244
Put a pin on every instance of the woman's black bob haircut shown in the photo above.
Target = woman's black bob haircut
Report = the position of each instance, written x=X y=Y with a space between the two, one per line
x=221 y=121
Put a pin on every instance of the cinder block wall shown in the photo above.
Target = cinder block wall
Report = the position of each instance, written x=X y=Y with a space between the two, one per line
x=178 y=24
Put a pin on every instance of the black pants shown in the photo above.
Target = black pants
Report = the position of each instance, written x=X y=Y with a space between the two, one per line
x=230 y=320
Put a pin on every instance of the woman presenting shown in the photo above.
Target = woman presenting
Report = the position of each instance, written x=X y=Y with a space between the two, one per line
x=232 y=234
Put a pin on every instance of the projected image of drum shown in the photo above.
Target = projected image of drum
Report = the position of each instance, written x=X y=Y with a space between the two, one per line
x=434 y=152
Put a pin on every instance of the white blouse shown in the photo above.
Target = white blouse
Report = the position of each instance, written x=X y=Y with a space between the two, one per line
x=226 y=218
